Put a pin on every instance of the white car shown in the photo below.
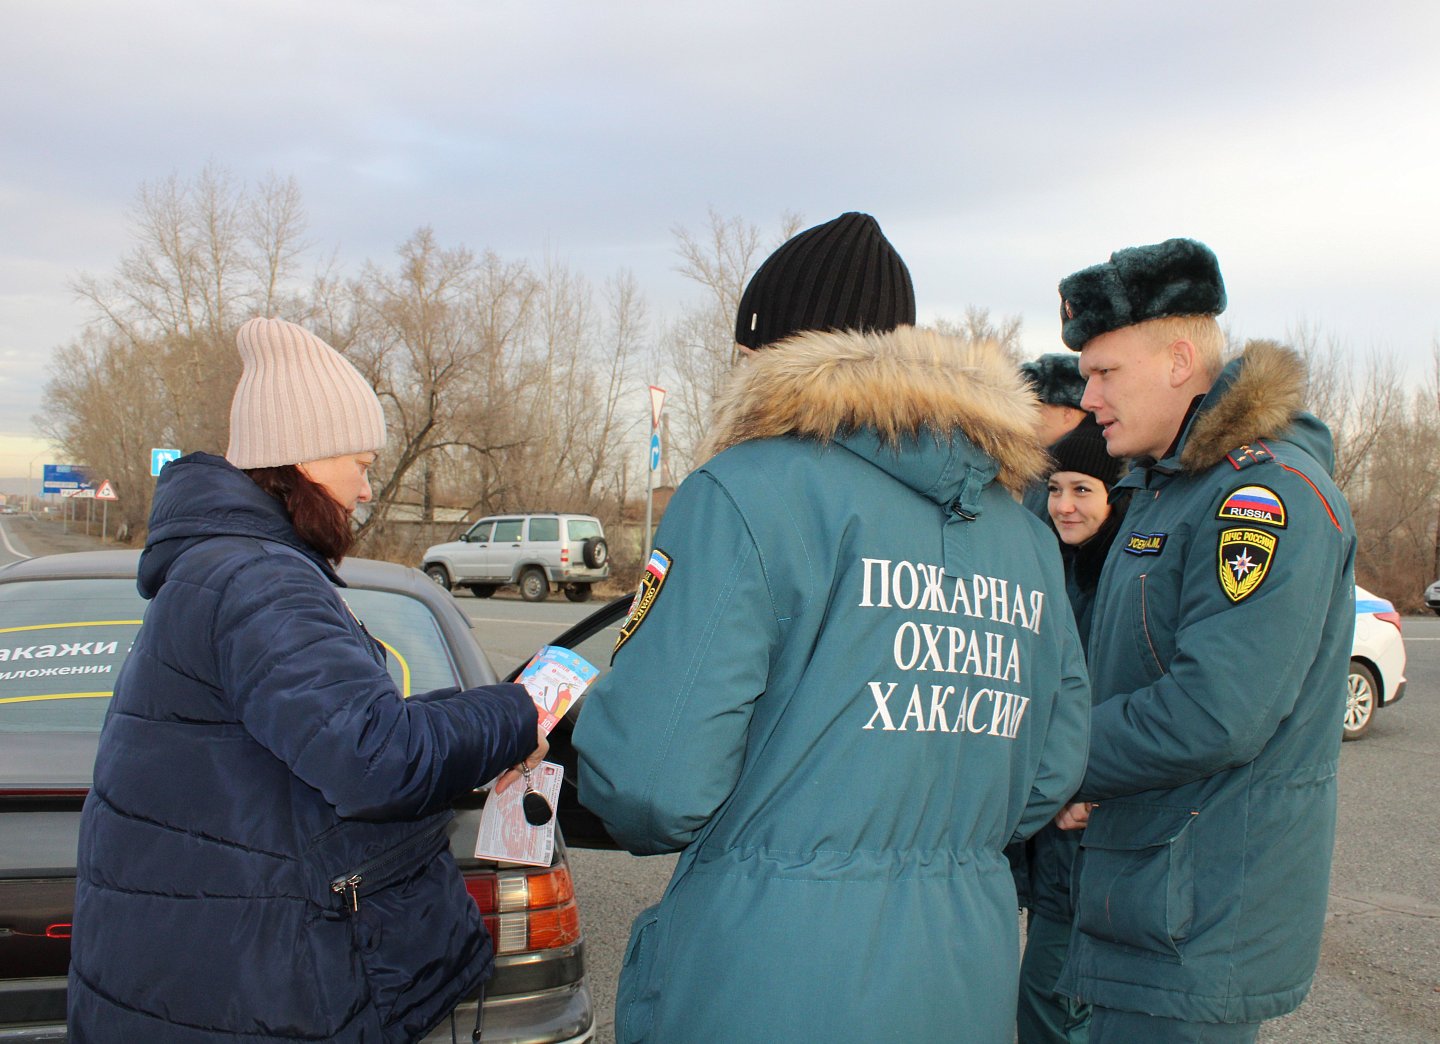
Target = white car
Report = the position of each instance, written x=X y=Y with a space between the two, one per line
x=1377 y=662
x=1432 y=597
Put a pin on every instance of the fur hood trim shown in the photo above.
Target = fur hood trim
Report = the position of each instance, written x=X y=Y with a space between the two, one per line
x=899 y=383
x=1263 y=399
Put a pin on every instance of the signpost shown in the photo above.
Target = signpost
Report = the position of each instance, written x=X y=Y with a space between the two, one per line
x=105 y=493
x=657 y=403
x=160 y=457
x=63 y=479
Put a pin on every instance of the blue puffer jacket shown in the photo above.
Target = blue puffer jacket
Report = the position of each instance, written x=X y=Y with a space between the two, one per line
x=851 y=677
x=255 y=752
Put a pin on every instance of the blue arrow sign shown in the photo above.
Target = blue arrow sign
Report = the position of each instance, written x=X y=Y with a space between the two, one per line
x=160 y=457
x=655 y=452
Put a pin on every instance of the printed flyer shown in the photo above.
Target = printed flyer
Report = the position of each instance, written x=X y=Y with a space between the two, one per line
x=506 y=836
x=555 y=679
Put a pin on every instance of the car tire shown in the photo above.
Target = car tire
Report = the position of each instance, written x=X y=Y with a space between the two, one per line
x=1361 y=700
x=483 y=590
x=1435 y=610
x=595 y=552
x=439 y=574
x=533 y=585
x=577 y=592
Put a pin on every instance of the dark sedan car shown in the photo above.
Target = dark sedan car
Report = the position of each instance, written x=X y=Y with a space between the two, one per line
x=66 y=624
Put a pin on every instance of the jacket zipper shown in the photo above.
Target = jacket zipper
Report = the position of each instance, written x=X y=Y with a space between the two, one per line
x=1145 y=623
x=347 y=886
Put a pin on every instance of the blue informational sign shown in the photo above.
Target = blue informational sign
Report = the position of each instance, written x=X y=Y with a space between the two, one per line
x=655 y=452
x=63 y=478
x=160 y=457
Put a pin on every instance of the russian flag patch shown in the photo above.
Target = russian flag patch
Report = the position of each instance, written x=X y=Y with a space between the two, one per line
x=1254 y=504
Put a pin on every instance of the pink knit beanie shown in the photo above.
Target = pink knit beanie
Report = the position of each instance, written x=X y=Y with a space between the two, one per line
x=298 y=400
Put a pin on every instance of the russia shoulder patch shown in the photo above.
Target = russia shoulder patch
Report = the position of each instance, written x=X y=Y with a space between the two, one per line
x=656 y=569
x=1254 y=504
x=1244 y=557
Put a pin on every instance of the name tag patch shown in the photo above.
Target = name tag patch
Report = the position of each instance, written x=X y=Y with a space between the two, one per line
x=1146 y=543
x=1244 y=556
x=1254 y=504
x=656 y=569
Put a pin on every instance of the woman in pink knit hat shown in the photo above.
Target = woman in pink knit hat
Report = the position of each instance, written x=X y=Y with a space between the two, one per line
x=256 y=751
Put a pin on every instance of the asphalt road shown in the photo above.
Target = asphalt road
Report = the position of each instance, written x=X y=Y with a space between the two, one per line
x=1379 y=980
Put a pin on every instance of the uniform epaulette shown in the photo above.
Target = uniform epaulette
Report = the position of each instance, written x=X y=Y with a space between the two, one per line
x=1249 y=455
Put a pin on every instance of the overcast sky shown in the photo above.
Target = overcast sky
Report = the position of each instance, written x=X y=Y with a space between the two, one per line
x=1001 y=146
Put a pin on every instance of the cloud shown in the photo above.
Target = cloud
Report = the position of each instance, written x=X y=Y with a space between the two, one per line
x=1001 y=146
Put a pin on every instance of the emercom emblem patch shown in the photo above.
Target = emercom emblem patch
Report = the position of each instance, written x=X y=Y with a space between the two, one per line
x=656 y=569
x=1245 y=556
x=1254 y=504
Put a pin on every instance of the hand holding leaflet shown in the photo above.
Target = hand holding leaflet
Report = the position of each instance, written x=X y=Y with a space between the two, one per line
x=555 y=679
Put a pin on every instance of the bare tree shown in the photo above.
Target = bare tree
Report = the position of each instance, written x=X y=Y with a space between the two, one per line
x=720 y=259
x=976 y=325
x=208 y=254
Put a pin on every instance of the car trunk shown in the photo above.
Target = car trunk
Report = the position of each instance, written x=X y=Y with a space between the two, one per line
x=42 y=789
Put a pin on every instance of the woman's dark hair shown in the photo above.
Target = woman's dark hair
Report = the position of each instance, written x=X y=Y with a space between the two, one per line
x=319 y=519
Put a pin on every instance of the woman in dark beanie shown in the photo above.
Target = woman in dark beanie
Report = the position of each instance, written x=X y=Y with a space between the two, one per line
x=1086 y=521
x=1081 y=512
x=263 y=855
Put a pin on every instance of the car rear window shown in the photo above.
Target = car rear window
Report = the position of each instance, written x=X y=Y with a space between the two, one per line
x=583 y=528
x=62 y=643
x=61 y=646
x=508 y=530
x=544 y=530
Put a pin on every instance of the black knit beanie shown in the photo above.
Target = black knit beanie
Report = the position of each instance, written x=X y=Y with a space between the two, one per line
x=1083 y=451
x=842 y=275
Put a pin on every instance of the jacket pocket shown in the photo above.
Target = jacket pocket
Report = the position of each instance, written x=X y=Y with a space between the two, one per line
x=356 y=858
x=639 y=986
x=1137 y=879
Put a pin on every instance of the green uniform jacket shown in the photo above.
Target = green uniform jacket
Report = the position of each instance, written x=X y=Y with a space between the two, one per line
x=1219 y=651
x=849 y=680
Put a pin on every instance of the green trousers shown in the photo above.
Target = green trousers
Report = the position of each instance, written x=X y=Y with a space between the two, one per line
x=1044 y=1016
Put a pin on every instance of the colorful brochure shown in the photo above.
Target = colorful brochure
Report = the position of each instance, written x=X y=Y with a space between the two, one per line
x=556 y=678
x=505 y=835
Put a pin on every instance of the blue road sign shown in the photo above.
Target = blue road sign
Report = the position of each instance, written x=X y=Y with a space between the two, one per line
x=62 y=478
x=655 y=452
x=160 y=457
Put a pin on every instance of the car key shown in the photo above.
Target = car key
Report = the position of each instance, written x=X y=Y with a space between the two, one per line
x=535 y=805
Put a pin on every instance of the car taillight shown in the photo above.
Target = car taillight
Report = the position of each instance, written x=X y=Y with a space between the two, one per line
x=564 y=556
x=1390 y=618
x=527 y=910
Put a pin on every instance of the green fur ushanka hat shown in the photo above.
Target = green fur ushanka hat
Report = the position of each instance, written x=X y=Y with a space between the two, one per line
x=1056 y=379
x=1176 y=277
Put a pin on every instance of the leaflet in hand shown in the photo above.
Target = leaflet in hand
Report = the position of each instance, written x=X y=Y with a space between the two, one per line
x=505 y=835
x=555 y=679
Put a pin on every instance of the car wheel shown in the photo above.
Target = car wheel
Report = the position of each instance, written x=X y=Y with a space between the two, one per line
x=533 y=586
x=439 y=574
x=577 y=592
x=595 y=552
x=1436 y=610
x=1361 y=700
x=483 y=590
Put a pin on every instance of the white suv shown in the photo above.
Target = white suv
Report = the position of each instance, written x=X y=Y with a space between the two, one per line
x=531 y=551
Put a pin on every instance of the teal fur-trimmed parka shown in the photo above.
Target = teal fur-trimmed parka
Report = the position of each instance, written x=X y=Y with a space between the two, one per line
x=850 y=677
x=1219 y=653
